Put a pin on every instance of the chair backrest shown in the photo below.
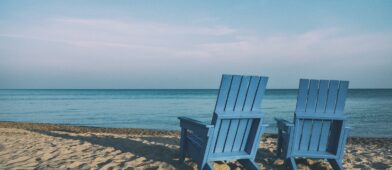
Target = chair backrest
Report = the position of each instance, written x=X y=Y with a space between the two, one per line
x=240 y=93
x=319 y=116
x=237 y=94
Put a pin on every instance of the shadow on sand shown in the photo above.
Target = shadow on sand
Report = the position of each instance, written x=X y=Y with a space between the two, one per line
x=157 y=144
x=266 y=156
x=138 y=148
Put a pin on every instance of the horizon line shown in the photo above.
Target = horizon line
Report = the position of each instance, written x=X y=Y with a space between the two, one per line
x=167 y=89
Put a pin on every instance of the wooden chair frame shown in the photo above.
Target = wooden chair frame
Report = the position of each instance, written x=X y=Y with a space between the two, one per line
x=236 y=127
x=319 y=129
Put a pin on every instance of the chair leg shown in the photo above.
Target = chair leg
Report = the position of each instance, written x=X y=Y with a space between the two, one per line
x=182 y=157
x=291 y=163
x=249 y=164
x=336 y=164
x=182 y=145
x=207 y=166
x=279 y=145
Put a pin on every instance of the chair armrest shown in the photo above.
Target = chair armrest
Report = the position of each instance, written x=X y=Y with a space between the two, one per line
x=283 y=124
x=321 y=116
x=256 y=112
x=240 y=116
x=197 y=127
x=190 y=124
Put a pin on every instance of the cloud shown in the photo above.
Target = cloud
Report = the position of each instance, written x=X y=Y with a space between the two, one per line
x=94 y=46
x=327 y=44
x=138 y=27
x=202 y=41
x=114 y=33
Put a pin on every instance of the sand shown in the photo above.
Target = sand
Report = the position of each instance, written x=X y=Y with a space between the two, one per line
x=46 y=146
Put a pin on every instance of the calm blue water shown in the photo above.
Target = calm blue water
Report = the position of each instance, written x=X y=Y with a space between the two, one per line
x=370 y=111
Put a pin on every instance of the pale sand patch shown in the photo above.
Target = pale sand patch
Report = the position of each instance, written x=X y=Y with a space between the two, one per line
x=45 y=149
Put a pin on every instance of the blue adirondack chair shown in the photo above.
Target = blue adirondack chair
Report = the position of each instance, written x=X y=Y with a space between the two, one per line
x=236 y=127
x=319 y=129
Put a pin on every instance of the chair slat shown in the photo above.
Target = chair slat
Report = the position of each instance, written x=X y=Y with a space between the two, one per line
x=242 y=126
x=233 y=93
x=343 y=87
x=223 y=130
x=306 y=132
x=260 y=93
x=246 y=134
x=312 y=96
x=322 y=96
x=223 y=92
x=332 y=94
x=298 y=133
x=324 y=135
x=250 y=97
x=231 y=135
x=302 y=95
x=316 y=131
x=242 y=93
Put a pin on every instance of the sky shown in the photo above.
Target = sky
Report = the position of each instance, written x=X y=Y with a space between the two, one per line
x=190 y=44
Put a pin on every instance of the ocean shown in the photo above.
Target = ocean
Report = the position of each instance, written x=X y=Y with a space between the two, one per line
x=369 y=110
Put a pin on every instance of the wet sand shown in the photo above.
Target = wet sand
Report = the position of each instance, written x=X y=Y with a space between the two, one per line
x=49 y=146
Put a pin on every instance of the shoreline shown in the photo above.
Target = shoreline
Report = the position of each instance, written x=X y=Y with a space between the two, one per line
x=84 y=129
x=54 y=146
x=133 y=131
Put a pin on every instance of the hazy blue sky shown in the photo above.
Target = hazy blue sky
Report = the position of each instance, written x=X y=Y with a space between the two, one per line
x=189 y=44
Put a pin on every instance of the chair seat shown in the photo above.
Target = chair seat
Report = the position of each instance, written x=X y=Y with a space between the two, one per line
x=315 y=154
x=229 y=156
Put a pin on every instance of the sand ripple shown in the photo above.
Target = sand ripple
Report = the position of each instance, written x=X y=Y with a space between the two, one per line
x=44 y=149
x=22 y=149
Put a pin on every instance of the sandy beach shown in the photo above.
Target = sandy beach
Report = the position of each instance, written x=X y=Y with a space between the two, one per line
x=48 y=146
